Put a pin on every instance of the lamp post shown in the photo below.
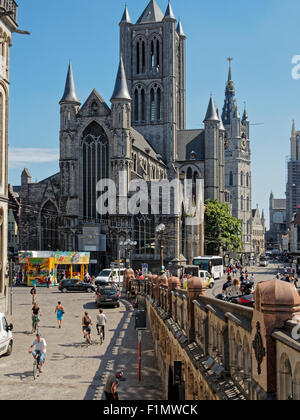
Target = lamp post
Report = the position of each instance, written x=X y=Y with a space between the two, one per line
x=128 y=245
x=160 y=232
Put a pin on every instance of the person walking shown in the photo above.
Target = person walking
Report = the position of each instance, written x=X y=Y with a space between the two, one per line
x=49 y=278
x=59 y=310
x=110 y=389
x=33 y=294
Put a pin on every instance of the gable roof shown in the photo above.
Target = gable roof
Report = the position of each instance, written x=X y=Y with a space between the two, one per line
x=96 y=95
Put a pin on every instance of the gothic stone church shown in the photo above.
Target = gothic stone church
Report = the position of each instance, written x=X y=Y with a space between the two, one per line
x=143 y=132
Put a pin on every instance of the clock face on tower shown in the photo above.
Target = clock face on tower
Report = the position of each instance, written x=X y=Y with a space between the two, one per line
x=244 y=144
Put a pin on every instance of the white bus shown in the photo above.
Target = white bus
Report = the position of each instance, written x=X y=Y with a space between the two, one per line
x=214 y=265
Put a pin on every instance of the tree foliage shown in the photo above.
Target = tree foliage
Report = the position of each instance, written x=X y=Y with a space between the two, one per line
x=223 y=233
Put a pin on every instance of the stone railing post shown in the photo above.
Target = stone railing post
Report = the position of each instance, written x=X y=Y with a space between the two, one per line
x=275 y=303
x=196 y=287
x=173 y=284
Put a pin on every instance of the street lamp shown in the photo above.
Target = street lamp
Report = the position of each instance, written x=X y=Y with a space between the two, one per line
x=160 y=231
x=128 y=245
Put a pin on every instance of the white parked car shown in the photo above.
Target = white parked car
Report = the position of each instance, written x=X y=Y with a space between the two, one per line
x=6 y=338
x=108 y=275
x=194 y=270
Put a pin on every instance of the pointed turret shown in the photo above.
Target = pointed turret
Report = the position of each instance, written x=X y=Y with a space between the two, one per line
x=221 y=122
x=245 y=116
x=126 y=17
x=293 y=130
x=151 y=14
x=180 y=29
x=211 y=114
x=236 y=113
x=70 y=95
x=121 y=91
x=169 y=13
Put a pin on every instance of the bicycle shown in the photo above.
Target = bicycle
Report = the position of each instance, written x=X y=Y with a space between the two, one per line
x=35 y=324
x=36 y=366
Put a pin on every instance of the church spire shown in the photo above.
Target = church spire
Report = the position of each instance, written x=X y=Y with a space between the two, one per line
x=293 y=130
x=180 y=29
x=211 y=114
x=70 y=95
x=121 y=88
x=169 y=13
x=126 y=16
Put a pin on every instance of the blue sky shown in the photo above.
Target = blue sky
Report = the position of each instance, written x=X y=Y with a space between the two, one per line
x=262 y=36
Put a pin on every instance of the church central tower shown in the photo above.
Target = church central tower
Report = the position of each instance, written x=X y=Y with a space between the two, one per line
x=153 y=51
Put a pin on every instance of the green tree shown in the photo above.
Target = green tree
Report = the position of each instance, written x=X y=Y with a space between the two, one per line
x=223 y=233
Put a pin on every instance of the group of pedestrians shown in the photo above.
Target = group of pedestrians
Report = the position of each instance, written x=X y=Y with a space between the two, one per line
x=235 y=287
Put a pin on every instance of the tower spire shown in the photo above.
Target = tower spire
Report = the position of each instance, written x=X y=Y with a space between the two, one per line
x=126 y=16
x=179 y=29
x=121 y=88
x=169 y=12
x=293 y=129
x=211 y=114
x=70 y=91
x=230 y=104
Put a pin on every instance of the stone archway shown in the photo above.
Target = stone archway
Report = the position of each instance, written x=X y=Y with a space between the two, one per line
x=286 y=378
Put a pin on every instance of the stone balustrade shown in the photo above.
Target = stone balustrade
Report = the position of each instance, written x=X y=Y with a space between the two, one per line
x=227 y=351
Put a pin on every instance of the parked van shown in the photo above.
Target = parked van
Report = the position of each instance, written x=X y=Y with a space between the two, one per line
x=194 y=270
x=109 y=275
x=6 y=339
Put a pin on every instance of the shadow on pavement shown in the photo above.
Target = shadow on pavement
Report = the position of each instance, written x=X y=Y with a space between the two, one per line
x=121 y=354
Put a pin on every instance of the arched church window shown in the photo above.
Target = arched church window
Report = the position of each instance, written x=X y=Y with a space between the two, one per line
x=138 y=58
x=248 y=204
x=143 y=57
x=152 y=105
x=136 y=105
x=49 y=227
x=94 y=166
x=158 y=104
x=152 y=55
x=242 y=179
x=247 y=180
x=157 y=54
x=143 y=103
x=242 y=203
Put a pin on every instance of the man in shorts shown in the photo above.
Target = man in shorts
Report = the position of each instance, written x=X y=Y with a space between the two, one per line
x=40 y=350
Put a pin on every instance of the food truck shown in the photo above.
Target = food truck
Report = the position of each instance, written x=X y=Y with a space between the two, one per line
x=37 y=265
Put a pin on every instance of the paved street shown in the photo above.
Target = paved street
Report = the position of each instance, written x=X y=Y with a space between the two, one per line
x=74 y=371
x=260 y=274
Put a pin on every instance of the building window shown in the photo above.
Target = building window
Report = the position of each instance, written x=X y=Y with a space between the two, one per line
x=242 y=179
x=95 y=161
x=231 y=179
x=136 y=105
x=138 y=58
x=158 y=104
x=143 y=103
x=152 y=105
x=49 y=225
x=242 y=203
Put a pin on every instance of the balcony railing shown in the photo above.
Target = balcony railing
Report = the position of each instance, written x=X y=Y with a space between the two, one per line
x=10 y=6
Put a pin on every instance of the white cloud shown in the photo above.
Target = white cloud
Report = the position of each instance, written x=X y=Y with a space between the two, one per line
x=19 y=157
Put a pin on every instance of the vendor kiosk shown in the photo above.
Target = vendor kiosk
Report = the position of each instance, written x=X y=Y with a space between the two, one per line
x=37 y=265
